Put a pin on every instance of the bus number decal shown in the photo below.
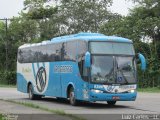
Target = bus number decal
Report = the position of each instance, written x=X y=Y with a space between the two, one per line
x=63 y=69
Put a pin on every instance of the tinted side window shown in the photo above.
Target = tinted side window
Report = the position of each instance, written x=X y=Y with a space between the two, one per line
x=27 y=55
x=82 y=49
x=63 y=51
x=42 y=54
x=70 y=50
x=20 y=57
x=49 y=52
x=58 y=53
x=54 y=52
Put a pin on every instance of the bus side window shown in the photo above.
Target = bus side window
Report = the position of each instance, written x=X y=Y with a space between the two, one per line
x=70 y=50
x=85 y=73
x=82 y=69
x=19 y=56
x=82 y=48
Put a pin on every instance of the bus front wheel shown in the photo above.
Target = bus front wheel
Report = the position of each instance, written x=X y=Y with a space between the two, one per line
x=72 y=98
x=111 y=102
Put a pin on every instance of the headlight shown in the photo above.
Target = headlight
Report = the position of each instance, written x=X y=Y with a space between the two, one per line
x=132 y=91
x=97 y=91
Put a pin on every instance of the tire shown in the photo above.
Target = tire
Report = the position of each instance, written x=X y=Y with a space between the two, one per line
x=38 y=97
x=111 y=102
x=72 y=98
x=31 y=95
x=60 y=99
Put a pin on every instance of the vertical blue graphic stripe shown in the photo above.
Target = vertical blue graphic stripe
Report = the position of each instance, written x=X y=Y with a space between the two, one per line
x=43 y=64
x=34 y=73
x=38 y=66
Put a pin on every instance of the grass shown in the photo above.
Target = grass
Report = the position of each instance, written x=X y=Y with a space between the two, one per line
x=10 y=86
x=0 y=116
x=55 y=111
x=150 y=90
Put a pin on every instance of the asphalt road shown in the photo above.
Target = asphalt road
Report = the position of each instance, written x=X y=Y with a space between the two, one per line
x=146 y=103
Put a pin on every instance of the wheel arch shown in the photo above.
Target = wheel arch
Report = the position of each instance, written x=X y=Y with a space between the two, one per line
x=29 y=83
x=70 y=85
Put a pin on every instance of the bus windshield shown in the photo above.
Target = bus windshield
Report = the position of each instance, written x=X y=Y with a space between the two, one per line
x=102 y=69
x=111 y=48
x=112 y=63
x=109 y=69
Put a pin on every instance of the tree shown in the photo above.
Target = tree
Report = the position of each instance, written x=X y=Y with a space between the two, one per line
x=23 y=30
x=43 y=14
x=45 y=19
x=2 y=45
x=2 y=30
x=66 y=17
x=142 y=26
x=83 y=15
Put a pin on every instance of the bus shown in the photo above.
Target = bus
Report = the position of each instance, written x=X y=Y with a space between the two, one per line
x=80 y=67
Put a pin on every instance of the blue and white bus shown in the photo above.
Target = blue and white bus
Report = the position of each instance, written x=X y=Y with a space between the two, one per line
x=80 y=67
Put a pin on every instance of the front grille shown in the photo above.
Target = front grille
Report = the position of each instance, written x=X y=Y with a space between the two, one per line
x=115 y=92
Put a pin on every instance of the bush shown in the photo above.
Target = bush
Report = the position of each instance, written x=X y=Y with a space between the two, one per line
x=8 y=77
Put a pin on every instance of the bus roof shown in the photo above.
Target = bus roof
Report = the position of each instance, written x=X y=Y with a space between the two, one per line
x=90 y=37
x=81 y=36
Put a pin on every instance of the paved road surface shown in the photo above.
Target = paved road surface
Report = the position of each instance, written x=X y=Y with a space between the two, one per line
x=146 y=103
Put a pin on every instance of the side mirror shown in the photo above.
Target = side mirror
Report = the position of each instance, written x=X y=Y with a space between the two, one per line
x=87 y=62
x=143 y=61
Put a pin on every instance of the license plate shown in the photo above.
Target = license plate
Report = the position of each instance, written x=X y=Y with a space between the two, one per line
x=115 y=97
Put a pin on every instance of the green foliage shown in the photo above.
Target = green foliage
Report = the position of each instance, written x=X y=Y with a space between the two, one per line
x=148 y=19
x=23 y=30
x=83 y=15
x=150 y=89
x=8 y=77
x=31 y=4
x=142 y=26
x=45 y=19
x=1 y=116
x=41 y=13
x=2 y=31
x=120 y=26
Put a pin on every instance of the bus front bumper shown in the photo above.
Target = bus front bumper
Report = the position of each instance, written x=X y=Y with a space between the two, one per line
x=112 y=96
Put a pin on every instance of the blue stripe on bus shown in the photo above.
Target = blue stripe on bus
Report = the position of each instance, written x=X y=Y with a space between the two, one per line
x=34 y=73
x=43 y=64
x=38 y=66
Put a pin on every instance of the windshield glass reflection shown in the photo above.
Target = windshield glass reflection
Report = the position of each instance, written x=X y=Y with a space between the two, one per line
x=125 y=72
x=102 y=69
x=109 y=69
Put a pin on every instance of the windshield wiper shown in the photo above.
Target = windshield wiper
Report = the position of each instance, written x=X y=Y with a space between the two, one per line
x=118 y=69
x=123 y=76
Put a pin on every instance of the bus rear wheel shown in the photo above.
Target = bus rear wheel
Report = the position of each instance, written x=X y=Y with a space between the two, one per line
x=31 y=95
x=111 y=102
x=72 y=98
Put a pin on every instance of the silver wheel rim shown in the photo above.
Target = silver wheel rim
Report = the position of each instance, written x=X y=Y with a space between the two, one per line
x=30 y=92
x=72 y=98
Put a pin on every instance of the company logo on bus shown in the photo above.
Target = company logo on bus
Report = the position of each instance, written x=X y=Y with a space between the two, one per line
x=41 y=79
